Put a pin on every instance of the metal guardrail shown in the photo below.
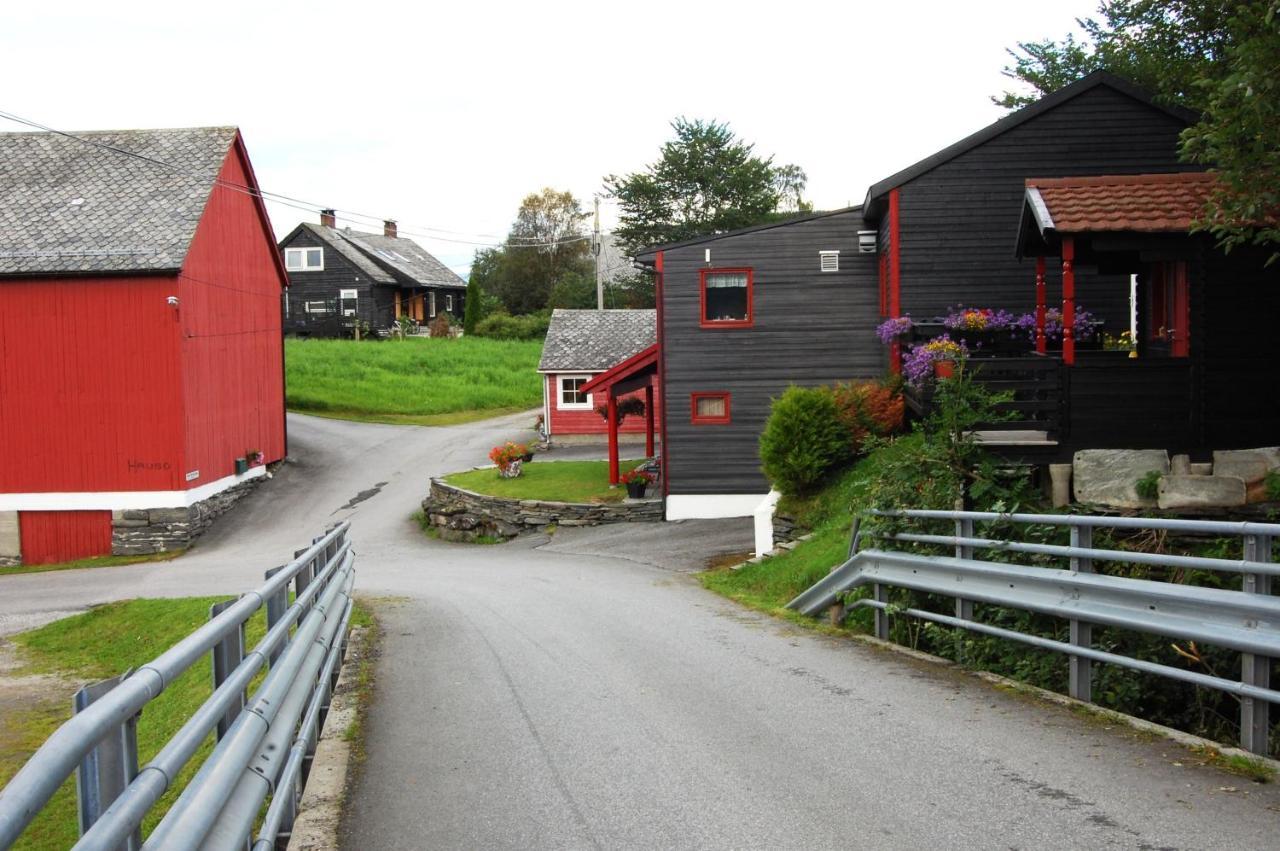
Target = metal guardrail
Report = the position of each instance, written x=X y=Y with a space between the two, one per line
x=1247 y=621
x=264 y=742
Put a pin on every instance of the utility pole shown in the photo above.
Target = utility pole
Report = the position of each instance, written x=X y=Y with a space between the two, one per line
x=595 y=249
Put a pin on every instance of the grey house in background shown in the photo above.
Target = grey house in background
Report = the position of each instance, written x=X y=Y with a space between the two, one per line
x=338 y=275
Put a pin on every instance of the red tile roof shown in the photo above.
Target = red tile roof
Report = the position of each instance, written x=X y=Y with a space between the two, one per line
x=1151 y=203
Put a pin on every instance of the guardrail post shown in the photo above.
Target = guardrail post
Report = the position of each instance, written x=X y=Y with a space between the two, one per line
x=1080 y=676
x=277 y=605
x=227 y=655
x=964 y=608
x=110 y=767
x=308 y=572
x=881 y=593
x=1255 y=715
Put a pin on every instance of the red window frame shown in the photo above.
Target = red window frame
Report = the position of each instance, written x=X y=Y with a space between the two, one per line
x=702 y=299
x=693 y=408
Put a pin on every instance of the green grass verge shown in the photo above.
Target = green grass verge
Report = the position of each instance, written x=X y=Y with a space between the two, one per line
x=101 y=643
x=424 y=381
x=558 y=481
x=96 y=561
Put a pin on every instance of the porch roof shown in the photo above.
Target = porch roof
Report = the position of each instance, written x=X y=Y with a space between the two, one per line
x=631 y=374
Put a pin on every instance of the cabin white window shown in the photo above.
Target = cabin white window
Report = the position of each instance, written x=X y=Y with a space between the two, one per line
x=322 y=308
x=348 y=302
x=431 y=304
x=448 y=303
x=304 y=259
x=829 y=261
x=569 y=395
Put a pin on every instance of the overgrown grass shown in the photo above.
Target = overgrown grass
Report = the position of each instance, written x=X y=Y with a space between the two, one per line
x=427 y=381
x=96 y=561
x=559 y=481
x=101 y=643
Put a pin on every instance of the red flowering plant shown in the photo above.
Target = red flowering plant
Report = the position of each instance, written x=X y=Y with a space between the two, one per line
x=636 y=476
x=507 y=454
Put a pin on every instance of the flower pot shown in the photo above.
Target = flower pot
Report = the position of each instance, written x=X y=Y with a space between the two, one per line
x=636 y=490
x=512 y=470
x=242 y=466
x=944 y=368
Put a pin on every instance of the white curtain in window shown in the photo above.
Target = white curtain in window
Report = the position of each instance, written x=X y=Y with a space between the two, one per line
x=726 y=279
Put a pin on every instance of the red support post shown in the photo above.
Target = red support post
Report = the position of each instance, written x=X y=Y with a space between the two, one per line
x=1041 y=343
x=648 y=420
x=1068 y=300
x=613 y=437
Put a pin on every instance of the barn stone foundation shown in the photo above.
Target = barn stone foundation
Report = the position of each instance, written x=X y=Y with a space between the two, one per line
x=466 y=516
x=158 y=530
x=10 y=539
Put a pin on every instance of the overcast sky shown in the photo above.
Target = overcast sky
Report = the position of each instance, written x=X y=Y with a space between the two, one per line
x=445 y=115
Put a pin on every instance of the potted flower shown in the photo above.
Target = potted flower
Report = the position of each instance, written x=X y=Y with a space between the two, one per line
x=254 y=457
x=637 y=481
x=934 y=359
x=894 y=328
x=509 y=458
x=982 y=328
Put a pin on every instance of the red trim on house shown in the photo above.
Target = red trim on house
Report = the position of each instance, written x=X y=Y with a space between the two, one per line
x=895 y=276
x=640 y=360
x=725 y=323
x=693 y=409
x=1068 y=300
x=662 y=374
x=1041 y=343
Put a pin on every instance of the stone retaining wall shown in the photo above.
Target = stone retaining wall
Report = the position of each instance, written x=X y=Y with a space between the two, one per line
x=463 y=515
x=785 y=529
x=158 y=530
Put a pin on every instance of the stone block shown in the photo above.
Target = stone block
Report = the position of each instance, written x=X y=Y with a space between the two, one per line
x=1201 y=491
x=164 y=516
x=463 y=522
x=1109 y=476
x=134 y=514
x=1180 y=465
x=1202 y=469
x=10 y=535
x=129 y=523
x=1252 y=465
x=1060 y=481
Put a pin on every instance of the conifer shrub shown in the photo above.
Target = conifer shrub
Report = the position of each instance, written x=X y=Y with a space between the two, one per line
x=803 y=439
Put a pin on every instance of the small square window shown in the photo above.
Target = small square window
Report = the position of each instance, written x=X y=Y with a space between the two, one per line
x=726 y=298
x=304 y=259
x=710 y=409
x=570 y=392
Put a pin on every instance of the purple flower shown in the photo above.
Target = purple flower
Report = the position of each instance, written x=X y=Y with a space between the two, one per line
x=978 y=319
x=1086 y=324
x=917 y=366
x=894 y=328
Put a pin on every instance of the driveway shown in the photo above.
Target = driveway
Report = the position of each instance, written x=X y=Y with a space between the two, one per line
x=585 y=692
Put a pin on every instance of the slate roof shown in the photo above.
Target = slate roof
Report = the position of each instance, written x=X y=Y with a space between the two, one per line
x=406 y=257
x=595 y=340
x=1146 y=203
x=333 y=238
x=67 y=207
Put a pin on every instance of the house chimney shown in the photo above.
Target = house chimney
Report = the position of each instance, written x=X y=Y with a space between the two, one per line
x=328 y=219
x=389 y=228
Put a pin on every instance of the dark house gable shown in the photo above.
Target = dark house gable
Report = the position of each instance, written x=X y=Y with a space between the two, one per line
x=807 y=326
x=337 y=275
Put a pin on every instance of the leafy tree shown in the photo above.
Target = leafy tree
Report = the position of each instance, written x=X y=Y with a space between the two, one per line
x=790 y=181
x=1216 y=57
x=575 y=290
x=705 y=181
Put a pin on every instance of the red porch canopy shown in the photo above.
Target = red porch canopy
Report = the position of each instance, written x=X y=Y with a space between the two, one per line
x=632 y=374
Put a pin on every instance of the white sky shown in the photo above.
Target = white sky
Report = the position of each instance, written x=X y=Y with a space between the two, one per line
x=445 y=116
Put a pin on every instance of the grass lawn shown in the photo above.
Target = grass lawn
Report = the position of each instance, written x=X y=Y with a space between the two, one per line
x=95 y=561
x=421 y=381
x=559 y=481
x=95 y=645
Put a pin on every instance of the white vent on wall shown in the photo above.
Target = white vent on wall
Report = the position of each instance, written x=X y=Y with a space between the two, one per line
x=829 y=261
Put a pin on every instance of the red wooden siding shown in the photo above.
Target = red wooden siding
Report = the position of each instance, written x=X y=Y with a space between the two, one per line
x=587 y=421
x=89 y=385
x=232 y=355
x=49 y=537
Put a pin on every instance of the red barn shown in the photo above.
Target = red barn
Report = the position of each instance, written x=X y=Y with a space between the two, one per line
x=580 y=345
x=142 y=377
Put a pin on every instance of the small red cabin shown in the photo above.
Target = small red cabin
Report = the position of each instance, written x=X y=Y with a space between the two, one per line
x=142 y=377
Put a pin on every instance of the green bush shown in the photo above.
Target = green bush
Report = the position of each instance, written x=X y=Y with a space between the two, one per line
x=504 y=326
x=803 y=439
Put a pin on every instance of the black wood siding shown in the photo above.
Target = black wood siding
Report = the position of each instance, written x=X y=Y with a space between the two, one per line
x=810 y=328
x=374 y=302
x=959 y=221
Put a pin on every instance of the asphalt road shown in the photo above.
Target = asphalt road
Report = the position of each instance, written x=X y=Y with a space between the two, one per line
x=585 y=692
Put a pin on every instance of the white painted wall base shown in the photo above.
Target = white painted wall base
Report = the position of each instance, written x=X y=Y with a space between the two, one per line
x=764 y=522
x=121 y=500
x=712 y=506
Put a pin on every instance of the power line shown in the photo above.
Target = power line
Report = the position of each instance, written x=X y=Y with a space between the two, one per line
x=423 y=231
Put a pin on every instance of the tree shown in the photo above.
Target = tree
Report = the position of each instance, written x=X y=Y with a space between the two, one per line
x=706 y=181
x=1218 y=58
x=790 y=181
x=472 y=312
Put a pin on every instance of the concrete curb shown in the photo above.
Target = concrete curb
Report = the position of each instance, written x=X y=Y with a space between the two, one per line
x=320 y=812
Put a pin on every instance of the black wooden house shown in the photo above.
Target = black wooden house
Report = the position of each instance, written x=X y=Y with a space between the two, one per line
x=339 y=275
x=743 y=315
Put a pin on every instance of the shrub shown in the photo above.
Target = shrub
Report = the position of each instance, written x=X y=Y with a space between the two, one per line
x=473 y=311
x=504 y=326
x=869 y=409
x=803 y=439
x=1148 y=487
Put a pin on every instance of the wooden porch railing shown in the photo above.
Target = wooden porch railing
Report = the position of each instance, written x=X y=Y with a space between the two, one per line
x=1037 y=382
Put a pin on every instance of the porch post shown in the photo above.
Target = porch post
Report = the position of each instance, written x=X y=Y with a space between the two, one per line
x=1068 y=300
x=613 y=437
x=648 y=420
x=1041 y=343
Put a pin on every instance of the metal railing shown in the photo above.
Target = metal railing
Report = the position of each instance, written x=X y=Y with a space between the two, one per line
x=264 y=743
x=1247 y=621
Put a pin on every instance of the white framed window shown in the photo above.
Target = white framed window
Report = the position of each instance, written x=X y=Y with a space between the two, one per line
x=431 y=304
x=304 y=259
x=321 y=307
x=348 y=302
x=448 y=303
x=569 y=396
